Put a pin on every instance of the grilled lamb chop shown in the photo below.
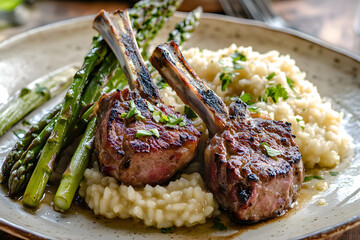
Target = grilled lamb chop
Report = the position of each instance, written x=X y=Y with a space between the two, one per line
x=138 y=140
x=252 y=164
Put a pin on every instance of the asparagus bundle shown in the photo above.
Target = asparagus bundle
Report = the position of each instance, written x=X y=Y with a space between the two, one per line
x=22 y=169
x=74 y=173
x=24 y=142
x=32 y=97
x=102 y=76
x=68 y=116
x=38 y=180
x=185 y=28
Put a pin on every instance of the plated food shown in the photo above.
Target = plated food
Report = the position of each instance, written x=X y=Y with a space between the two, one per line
x=181 y=106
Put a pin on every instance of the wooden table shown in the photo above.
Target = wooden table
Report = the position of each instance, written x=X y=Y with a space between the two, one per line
x=329 y=20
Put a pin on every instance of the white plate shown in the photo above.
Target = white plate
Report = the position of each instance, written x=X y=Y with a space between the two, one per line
x=38 y=52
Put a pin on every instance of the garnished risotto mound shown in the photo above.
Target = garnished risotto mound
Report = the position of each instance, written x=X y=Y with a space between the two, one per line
x=183 y=202
x=273 y=84
x=269 y=83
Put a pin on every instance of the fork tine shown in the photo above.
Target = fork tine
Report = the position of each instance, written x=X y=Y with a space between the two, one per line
x=251 y=9
x=232 y=8
x=227 y=7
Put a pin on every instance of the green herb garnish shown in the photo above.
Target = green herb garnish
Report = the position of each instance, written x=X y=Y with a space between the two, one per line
x=173 y=120
x=334 y=173
x=253 y=109
x=132 y=111
x=275 y=93
x=290 y=82
x=218 y=225
x=155 y=132
x=298 y=120
x=309 y=178
x=161 y=84
x=247 y=98
x=189 y=113
x=270 y=76
x=150 y=106
x=236 y=56
x=160 y=117
x=302 y=127
x=225 y=79
x=151 y=132
x=269 y=150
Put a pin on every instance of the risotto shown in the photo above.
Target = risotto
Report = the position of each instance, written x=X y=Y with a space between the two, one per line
x=269 y=83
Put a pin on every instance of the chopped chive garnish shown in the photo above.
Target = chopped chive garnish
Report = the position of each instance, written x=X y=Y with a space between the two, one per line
x=269 y=150
x=270 y=76
x=151 y=132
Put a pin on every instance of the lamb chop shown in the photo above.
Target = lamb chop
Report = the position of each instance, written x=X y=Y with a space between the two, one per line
x=251 y=164
x=139 y=140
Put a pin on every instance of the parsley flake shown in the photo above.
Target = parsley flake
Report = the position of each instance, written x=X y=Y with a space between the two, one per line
x=189 y=113
x=334 y=173
x=150 y=106
x=236 y=56
x=269 y=150
x=247 y=98
x=161 y=84
x=132 y=111
x=290 y=82
x=270 y=76
x=275 y=93
x=225 y=79
x=309 y=178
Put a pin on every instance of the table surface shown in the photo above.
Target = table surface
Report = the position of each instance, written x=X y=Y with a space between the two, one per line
x=329 y=20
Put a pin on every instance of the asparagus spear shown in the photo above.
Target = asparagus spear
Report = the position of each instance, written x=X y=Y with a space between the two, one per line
x=74 y=173
x=147 y=27
x=67 y=117
x=33 y=96
x=185 y=28
x=22 y=169
x=180 y=34
x=24 y=142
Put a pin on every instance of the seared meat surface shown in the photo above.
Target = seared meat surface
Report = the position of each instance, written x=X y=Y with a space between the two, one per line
x=138 y=139
x=252 y=164
x=144 y=159
x=241 y=172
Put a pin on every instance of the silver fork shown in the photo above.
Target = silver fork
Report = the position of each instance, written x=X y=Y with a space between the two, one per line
x=254 y=9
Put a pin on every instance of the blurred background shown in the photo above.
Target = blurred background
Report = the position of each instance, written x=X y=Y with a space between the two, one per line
x=333 y=21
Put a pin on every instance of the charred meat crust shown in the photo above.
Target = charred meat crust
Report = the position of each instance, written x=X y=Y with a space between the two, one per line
x=239 y=172
x=140 y=160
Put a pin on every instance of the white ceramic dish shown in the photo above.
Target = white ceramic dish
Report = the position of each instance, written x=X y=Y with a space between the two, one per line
x=337 y=74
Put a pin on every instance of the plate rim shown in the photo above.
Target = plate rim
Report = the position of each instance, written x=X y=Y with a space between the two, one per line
x=330 y=231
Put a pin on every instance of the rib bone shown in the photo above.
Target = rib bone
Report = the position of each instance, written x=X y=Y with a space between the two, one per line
x=172 y=66
x=116 y=29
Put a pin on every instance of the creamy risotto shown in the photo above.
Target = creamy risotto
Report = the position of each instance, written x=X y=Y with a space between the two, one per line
x=269 y=83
